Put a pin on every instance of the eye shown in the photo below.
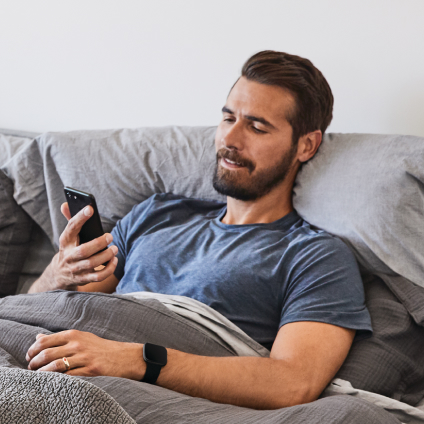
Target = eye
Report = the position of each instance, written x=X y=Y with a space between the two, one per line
x=257 y=130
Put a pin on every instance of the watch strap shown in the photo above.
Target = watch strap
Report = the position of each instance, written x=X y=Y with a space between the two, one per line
x=155 y=358
x=152 y=373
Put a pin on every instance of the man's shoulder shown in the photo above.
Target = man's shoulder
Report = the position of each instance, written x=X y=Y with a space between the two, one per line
x=311 y=240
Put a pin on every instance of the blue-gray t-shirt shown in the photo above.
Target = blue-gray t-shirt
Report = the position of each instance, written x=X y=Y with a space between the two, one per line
x=259 y=276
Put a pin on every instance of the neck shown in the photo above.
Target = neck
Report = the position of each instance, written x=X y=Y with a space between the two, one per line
x=269 y=208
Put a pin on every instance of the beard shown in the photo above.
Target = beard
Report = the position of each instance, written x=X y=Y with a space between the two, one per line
x=232 y=184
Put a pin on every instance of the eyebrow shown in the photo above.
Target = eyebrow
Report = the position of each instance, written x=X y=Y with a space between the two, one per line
x=250 y=118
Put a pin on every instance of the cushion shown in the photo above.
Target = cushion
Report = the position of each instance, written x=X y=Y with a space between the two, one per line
x=15 y=232
x=366 y=189
x=369 y=190
x=391 y=362
x=9 y=146
x=120 y=167
x=15 y=224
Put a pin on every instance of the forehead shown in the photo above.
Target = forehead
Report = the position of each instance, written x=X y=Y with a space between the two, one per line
x=252 y=98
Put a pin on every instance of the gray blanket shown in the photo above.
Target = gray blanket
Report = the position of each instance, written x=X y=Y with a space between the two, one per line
x=125 y=319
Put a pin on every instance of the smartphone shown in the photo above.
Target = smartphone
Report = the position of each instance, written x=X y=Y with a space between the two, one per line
x=78 y=200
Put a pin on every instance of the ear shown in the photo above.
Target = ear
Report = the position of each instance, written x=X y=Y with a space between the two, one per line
x=308 y=145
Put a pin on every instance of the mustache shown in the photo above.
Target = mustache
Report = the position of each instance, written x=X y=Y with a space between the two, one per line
x=234 y=157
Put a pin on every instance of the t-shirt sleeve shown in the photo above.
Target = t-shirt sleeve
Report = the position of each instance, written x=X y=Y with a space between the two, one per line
x=122 y=231
x=325 y=285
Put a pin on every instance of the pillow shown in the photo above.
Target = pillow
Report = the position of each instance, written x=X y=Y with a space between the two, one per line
x=369 y=191
x=390 y=362
x=15 y=232
x=40 y=254
x=366 y=189
x=10 y=145
x=119 y=167
x=15 y=224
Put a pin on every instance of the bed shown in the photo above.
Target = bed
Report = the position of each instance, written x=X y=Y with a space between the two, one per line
x=366 y=189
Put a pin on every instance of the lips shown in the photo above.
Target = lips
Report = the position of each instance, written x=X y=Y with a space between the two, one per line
x=232 y=162
x=229 y=164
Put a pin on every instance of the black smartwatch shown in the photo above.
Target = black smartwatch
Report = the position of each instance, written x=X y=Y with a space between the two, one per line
x=155 y=357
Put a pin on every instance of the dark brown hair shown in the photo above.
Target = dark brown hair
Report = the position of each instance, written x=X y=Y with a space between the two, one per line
x=311 y=92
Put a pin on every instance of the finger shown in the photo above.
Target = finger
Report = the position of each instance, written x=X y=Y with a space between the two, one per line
x=81 y=371
x=64 y=208
x=40 y=335
x=58 y=365
x=75 y=224
x=48 y=356
x=94 y=277
x=48 y=341
x=94 y=261
x=90 y=248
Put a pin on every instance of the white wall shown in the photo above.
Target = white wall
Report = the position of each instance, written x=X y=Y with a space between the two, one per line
x=103 y=64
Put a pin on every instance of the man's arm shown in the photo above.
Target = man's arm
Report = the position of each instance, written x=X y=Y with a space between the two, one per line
x=304 y=358
x=72 y=268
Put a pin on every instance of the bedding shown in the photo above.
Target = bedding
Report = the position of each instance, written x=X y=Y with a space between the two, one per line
x=367 y=189
x=15 y=225
x=124 y=167
x=351 y=176
x=212 y=322
x=124 y=318
x=15 y=232
x=28 y=397
x=391 y=362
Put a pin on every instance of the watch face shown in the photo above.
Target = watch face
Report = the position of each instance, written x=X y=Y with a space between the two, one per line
x=155 y=354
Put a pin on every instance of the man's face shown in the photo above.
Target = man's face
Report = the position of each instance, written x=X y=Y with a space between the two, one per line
x=254 y=141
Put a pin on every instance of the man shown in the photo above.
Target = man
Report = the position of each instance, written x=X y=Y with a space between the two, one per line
x=292 y=288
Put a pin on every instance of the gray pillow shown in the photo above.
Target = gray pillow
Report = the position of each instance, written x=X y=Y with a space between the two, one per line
x=15 y=224
x=11 y=145
x=120 y=167
x=15 y=232
x=390 y=362
x=366 y=189
x=369 y=190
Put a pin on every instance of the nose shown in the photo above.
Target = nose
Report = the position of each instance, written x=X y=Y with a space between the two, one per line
x=232 y=136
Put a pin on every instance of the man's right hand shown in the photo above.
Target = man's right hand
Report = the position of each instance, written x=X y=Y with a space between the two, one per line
x=74 y=264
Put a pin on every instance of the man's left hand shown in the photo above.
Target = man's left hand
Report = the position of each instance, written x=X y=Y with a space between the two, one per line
x=88 y=355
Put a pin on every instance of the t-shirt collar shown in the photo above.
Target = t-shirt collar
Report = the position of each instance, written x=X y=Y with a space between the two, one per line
x=283 y=223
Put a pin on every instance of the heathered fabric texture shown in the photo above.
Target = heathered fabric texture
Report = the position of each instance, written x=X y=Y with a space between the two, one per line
x=45 y=397
x=391 y=362
x=259 y=276
x=15 y=224
x=15 y=234
x=368 y=189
